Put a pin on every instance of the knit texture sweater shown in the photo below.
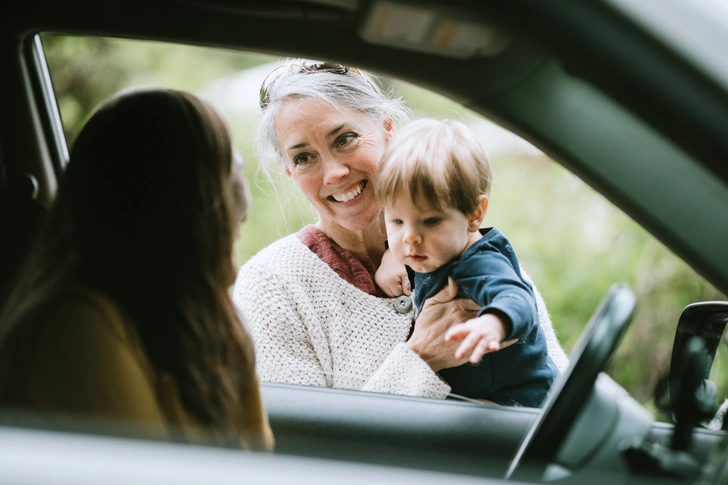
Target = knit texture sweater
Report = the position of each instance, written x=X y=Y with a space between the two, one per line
x=311 y=327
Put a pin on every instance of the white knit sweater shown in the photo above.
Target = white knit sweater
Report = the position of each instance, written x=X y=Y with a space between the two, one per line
x=311 y=327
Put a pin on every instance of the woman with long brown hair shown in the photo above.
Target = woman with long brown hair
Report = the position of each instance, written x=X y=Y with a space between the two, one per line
x=122 y=315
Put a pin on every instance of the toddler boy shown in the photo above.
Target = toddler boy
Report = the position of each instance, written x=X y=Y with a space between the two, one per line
x=433 y=183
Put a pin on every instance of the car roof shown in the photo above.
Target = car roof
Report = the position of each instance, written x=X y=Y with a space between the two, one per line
x=602 y=87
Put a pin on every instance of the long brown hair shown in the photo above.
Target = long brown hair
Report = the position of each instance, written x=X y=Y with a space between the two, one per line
x=146 y=213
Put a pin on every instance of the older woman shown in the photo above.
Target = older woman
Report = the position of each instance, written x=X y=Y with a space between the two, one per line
x=317 y=316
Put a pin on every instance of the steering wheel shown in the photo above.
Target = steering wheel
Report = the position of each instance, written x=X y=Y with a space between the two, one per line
x=570 y=393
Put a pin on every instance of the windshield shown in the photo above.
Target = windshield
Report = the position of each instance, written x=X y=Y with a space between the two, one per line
x=572 y=241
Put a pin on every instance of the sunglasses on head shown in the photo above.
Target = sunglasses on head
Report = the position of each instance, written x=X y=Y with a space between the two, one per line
x=303 y=68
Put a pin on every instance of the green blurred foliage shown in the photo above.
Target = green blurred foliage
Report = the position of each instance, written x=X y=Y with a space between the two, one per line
x=572 y=241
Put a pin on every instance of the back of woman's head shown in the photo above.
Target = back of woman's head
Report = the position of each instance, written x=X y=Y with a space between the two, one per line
x=148 y=189
x=146 y=213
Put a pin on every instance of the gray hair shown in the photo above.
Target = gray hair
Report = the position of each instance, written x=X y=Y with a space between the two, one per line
x=354 y=89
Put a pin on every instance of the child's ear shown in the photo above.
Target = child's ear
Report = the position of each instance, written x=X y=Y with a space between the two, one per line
x=477 y=216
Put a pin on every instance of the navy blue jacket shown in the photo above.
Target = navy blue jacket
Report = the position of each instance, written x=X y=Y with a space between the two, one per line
x=488 y=273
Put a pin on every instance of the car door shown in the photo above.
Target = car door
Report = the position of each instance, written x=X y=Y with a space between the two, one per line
x=533 y=91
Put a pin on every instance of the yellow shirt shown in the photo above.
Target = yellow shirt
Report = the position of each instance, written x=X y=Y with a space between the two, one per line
x=87 y=361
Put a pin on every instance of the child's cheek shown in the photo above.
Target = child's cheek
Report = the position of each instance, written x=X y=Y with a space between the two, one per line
x=396 y=247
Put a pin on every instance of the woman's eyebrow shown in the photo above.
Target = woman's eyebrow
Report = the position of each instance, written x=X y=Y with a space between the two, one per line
x=298 y=145
x=335 y=130
x=328 y=135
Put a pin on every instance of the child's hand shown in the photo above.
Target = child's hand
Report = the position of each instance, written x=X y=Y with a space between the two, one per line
x=480 y=335
x=392 y=277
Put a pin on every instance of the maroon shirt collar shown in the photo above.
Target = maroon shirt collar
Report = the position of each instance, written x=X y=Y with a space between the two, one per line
x=356 y=269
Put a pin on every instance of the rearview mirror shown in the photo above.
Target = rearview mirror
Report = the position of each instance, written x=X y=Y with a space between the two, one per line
x=707 y=320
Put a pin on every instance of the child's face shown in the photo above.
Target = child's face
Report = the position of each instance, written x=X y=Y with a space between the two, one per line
x=425 y=238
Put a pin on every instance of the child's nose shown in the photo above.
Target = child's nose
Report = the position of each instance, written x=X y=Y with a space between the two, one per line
x=411 y=235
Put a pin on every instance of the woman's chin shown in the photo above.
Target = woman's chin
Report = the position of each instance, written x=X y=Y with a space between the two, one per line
x=357 y=224
x=354 y=217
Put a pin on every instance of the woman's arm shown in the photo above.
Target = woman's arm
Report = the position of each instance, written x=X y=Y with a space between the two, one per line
x=439 y=313
x=412 y=366
x=292 y=348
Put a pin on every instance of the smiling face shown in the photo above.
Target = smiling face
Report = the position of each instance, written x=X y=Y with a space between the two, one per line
x=332 y=154
x=423 y=237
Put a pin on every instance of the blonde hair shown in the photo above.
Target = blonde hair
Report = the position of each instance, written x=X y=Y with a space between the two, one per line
x=440 y=162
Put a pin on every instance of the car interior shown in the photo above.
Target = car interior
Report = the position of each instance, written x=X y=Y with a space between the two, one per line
x=619 y=93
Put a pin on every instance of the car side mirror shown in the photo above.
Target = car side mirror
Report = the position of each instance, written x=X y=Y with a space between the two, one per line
x=707 y=320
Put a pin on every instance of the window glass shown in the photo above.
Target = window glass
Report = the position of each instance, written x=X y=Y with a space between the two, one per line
x=571 y=240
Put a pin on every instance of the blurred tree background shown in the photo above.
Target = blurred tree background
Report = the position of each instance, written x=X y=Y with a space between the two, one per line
x=572 y=241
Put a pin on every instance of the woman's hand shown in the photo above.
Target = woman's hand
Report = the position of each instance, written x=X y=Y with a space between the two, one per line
x=439 y=313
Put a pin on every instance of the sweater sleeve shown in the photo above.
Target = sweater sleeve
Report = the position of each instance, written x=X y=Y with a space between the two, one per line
x=85 y=364
x=284 y=350
x=405 y=373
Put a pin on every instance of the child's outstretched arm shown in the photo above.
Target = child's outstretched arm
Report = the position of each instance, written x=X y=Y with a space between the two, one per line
x=480 y=335
x=392 y=277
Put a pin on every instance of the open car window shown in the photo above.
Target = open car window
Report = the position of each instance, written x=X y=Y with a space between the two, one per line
x=572 y=241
